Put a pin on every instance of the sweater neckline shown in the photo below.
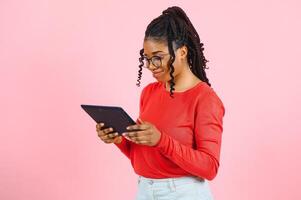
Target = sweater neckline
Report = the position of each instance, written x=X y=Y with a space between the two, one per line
x=183 y=92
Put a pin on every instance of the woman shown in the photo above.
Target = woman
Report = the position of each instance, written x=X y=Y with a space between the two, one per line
x=175 y=145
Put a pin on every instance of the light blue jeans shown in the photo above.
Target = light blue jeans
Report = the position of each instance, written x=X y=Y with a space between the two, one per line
x=180 y=188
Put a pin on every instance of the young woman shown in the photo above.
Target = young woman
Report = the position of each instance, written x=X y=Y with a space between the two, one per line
x=175 y=145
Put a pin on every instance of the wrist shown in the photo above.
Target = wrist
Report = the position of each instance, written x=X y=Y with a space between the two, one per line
x=118 y=139
x=159 y=140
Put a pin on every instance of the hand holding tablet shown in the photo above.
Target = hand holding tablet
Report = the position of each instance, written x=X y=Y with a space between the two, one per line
x=114 y=120
x=106 y=136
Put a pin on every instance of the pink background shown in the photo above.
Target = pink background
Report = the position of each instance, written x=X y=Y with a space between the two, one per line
x=58 y=54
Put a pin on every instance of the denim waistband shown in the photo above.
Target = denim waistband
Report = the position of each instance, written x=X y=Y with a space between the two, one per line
x=173 y=180
x=189 y=186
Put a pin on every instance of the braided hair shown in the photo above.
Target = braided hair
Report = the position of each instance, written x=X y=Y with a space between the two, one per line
x=174 y=27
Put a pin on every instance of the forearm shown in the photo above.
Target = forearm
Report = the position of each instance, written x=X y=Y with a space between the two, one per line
x=124 y=146
x=197 y=162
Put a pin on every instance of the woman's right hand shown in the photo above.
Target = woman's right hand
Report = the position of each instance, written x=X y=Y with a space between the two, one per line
x=107 y=135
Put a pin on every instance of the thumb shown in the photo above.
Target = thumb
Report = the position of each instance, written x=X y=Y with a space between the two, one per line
x=140 y=121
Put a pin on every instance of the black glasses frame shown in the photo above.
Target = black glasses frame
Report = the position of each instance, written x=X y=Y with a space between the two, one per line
x=153 y=62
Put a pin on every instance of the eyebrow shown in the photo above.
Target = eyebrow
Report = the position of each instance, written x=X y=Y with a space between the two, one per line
x=154 y=52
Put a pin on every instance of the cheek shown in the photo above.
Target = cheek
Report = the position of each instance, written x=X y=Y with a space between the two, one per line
x=168 y=68
x=166 y=74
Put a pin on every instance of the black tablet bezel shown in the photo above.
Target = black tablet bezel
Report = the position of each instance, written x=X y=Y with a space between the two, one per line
x=112 y=116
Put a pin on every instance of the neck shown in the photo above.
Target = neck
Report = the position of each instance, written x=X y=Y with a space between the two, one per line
x=183 y=80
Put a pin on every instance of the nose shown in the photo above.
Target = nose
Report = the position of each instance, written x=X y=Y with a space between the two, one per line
x=152 y=67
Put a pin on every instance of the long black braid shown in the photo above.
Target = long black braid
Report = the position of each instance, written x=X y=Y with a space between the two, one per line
x=175 y=27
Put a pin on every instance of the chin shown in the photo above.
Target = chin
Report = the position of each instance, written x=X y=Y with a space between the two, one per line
x=161 y=78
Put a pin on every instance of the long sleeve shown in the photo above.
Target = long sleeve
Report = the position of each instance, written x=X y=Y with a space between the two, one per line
x=208 y=126
x=125 y=145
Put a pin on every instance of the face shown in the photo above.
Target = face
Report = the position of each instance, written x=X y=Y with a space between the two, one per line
x=155 y=48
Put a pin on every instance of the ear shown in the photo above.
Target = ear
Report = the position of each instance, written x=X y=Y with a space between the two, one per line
x=183 y=51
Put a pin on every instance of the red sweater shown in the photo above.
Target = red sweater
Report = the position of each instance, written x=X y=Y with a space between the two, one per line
x=191 y=127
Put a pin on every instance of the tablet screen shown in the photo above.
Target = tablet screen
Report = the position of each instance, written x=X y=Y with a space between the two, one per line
x=111 y=116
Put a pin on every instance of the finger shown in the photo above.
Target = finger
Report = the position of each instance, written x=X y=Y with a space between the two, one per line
x=100 y=128
x=110 y=136
x=140 y=138
x=137 y=133
x=142 y=142
x=104 y=137
x=138 y=127
x=127 y=138
x=100 y=133
x=107 y=130
x=104 y=131
x=140 y=120
x=99 y=125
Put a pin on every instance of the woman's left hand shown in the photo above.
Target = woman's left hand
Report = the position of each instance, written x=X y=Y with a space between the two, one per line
x=147 y=134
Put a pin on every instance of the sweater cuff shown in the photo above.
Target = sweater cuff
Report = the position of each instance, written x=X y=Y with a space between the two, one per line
x=162 y=141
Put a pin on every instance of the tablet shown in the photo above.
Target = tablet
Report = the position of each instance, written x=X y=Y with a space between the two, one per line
x=111 y=116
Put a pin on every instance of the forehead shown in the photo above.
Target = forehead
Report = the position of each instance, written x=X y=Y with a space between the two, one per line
x=152 y=47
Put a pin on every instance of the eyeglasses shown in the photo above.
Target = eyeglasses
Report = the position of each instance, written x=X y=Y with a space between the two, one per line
x=156 y=61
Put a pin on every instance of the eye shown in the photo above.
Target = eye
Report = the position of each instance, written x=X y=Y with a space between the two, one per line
x=156 y=61
x=156 y=58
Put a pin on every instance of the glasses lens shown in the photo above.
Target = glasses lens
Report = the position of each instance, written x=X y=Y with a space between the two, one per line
x=156 y=61
x=145 y=62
